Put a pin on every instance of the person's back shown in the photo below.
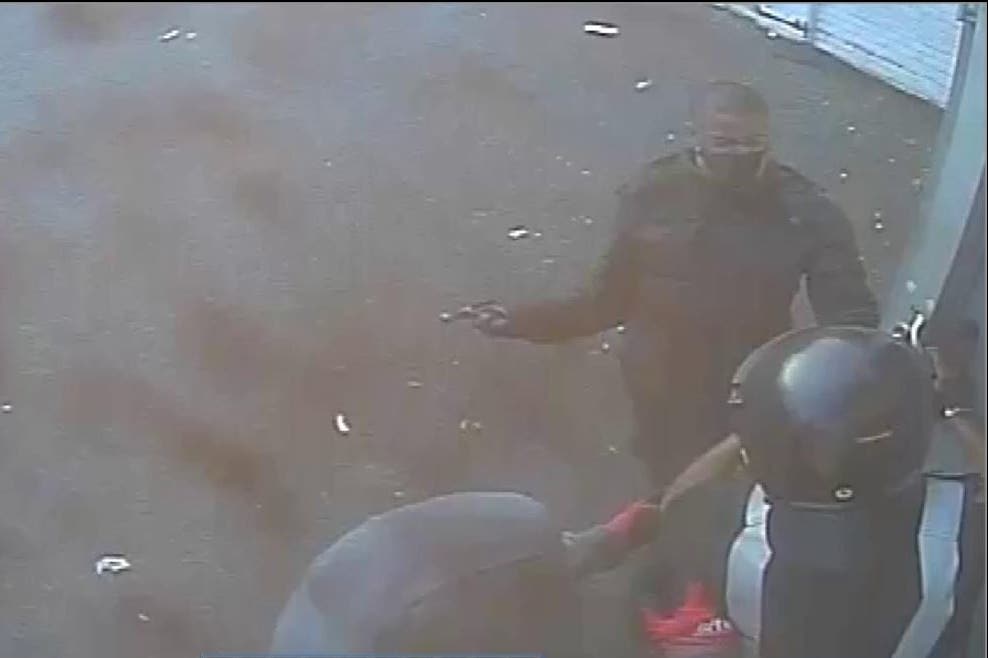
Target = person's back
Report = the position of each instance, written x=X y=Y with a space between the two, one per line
x=469 y=573
x=818 y=587
x=832 y=540
x=844 y=549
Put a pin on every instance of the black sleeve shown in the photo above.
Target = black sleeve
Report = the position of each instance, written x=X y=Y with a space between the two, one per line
x=835 y=277
x=603 y=303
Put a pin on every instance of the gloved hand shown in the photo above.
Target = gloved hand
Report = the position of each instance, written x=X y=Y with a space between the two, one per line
x=592 y=551
x=604 y=547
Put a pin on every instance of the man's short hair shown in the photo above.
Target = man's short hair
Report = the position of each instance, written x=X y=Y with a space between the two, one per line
x=727 y=97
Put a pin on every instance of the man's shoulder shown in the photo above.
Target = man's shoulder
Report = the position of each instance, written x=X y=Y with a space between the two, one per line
x=806 y=199
x=667 y=172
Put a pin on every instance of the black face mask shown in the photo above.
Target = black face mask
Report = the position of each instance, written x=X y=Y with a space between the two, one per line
x=735 y=169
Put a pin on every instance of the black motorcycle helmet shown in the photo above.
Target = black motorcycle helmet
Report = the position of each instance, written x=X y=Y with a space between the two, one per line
x=834 y=415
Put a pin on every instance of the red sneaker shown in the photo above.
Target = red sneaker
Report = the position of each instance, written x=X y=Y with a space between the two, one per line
x=692 y=629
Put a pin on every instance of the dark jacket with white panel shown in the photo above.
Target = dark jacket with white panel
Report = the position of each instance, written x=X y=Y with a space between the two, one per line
x=900 y=581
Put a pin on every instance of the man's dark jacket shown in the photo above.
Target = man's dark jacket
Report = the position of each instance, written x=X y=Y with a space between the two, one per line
x=701 y=274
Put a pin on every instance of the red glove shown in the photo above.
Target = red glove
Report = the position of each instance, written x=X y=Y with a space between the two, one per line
x=635 y=525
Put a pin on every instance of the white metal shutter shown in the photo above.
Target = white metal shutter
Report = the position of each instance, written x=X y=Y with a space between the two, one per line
x=911 y=46
x=794 y=13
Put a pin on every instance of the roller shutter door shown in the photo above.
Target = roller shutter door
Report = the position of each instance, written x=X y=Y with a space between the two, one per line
x=911 y=46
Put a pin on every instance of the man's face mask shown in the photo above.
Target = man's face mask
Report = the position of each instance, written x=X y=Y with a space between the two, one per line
x=733 y=150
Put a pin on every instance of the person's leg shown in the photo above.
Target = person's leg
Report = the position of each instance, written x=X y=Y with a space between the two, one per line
x=667 y=442
x=676 y=419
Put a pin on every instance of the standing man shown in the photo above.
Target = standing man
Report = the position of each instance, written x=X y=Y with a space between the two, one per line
x=710 y=248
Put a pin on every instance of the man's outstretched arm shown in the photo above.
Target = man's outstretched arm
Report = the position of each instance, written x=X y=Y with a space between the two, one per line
x=603 y=303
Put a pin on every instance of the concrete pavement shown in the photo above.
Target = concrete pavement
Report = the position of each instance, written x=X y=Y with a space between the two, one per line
x=213 y=244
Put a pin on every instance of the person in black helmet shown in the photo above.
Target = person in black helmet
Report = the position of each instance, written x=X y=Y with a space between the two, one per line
x=829 y=539
x=711 y=245
x=464 y=574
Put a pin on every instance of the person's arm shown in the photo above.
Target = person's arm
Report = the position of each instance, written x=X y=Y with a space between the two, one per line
x=720 y=461
x=835 y=276
x=604 y=303
x=605 y=546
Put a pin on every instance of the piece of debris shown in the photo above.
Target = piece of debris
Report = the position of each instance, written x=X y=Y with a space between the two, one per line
x=605 y=347
x=398 y=494
x=7 y=407
x=342 y=426
x=917 y=183
x=843 y=174
x=670 y=137
x=445 y=316
x=467 y=425
x=612 y=449
x=772 y=34
x=112 y=564
x=414 y=383
x=952 y=412
x=911 y=286
x=191 y=35
x=519 y=233
x=851 y=128
x=601 y=29
x=585 y=172
x=143 y=617
x=891 y=160
x=470 y=311
x=588 y=221
x=910 y=141
x=643 y=84
x=878 y=224
x=170 y=35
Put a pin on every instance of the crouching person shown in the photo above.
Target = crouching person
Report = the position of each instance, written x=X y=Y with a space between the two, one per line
x=464 y=574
